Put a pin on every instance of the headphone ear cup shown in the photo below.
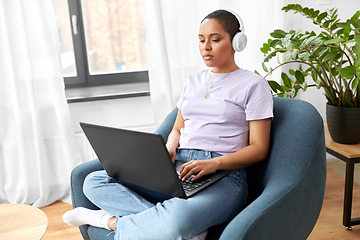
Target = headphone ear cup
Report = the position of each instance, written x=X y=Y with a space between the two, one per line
x=239 y=41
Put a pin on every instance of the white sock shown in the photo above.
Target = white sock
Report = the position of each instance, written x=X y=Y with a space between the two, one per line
x=80 y=216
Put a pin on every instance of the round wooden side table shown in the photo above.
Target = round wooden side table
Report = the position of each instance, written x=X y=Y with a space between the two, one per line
x=20 y=221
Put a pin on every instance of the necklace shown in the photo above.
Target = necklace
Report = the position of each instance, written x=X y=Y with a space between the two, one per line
x=209 y=88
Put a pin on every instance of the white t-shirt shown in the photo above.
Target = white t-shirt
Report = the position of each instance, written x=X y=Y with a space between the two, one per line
x=220 y=122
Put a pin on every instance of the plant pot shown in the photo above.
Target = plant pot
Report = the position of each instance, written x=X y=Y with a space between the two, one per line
x=343 y=124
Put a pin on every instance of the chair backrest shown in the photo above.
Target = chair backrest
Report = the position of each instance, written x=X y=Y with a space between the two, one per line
x=295 y=132
x=286 y=190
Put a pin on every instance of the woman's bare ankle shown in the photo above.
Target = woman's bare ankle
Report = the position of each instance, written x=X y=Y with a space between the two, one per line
x=111 y=223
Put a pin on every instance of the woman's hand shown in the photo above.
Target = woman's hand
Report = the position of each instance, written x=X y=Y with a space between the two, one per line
x=201 y=167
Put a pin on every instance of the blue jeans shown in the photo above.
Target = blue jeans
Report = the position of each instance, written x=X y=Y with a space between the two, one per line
x=156 y=217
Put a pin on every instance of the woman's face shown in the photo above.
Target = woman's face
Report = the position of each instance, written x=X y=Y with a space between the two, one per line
x=215 y=46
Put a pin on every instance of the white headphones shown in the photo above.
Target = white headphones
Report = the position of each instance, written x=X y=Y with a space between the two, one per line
x=240 y=40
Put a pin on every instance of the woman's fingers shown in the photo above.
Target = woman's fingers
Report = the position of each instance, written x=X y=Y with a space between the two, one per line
x=199 y=175
x=188 y=169
x=200 y=168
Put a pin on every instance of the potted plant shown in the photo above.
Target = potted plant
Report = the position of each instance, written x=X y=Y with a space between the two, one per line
x=331 y=58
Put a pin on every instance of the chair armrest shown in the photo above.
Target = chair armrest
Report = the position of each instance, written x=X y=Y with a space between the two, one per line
x=78 y=176
x=78 y=198
x=284 y=212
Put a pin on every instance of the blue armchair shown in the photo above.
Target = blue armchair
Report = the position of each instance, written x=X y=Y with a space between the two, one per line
x=286 y=190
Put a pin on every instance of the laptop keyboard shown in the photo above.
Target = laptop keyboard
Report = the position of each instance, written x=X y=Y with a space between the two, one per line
x=189 y=185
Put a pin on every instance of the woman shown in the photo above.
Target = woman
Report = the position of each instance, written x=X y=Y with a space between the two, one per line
x=223 y=122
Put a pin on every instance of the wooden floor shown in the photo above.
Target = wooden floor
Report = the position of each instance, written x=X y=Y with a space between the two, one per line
x=328 y=227
x=57 y=229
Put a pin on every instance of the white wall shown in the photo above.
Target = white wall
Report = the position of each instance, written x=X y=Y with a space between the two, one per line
x=346 y=9
x=129 y=113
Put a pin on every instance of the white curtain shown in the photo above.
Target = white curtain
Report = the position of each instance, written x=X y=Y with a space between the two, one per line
x=172 y=41
x=37 y=143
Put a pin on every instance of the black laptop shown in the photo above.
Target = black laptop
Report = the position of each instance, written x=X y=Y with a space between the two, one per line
x=142 y=159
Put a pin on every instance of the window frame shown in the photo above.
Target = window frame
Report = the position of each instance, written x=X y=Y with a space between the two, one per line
x=84 y=78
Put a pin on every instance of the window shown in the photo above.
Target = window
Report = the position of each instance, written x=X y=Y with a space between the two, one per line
x=102 y=41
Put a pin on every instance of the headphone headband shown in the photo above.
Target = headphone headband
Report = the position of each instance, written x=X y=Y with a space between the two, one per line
x=241 y=23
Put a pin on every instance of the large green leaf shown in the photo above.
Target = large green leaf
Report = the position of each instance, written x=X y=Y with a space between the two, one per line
x=268 y=57
x=286 y=80
x=315 y=14
x=357 y=38
x=346 y=33
x=257 y=72
x=348 y=72
x=356 y=16
x=275 y=86
x=305 y=55
x=287 y=58
x=357 y=62
x=343 y=24
x=309 y=41
x=356 y=49
x=278 y=34
x=330 y=56
x=264 y=67
x=274 y=43
x=299 y=77
x=318 y=84
x=286 y=40
x=322 y=52
x=293 y=92
x=334 y=41
x=321 y=16
x=304 y=86
x=294 y=53
x=314 y=75
x=292 y=45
